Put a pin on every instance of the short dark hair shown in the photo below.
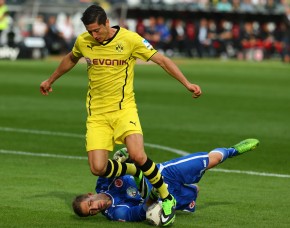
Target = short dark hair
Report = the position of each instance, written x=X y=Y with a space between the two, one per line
x=76 y=205
x=94 y=14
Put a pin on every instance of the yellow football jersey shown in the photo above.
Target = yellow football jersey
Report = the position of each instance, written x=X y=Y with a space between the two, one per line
x=110 y=69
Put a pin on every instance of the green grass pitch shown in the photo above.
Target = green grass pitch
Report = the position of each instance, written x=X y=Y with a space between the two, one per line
x=240 y=100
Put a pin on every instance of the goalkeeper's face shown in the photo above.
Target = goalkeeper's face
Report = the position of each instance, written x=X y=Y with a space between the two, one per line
x=95 y=203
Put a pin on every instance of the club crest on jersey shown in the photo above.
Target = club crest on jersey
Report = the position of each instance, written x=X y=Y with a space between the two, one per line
x=191 y=205
x=147 y=44
x=119 y=47
x=118 y=183
x=131 y=191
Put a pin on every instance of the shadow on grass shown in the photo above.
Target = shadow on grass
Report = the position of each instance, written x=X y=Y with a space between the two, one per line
x=68 y=197
x=203 y=206
x=212 y=204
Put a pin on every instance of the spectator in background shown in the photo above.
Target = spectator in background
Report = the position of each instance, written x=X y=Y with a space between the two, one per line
x=54 y=39
x=39 y=27
x=140 y=27
x=10 y=36
x=165 y=37
x=13 y=36
x=203 y=43
x=236 y=33
x=247 y=6
x=224 y=6
x=236 y=5
x=282 y=41
x=214 y=38
x=78 y=26
x=249 y=40
x=225 y=39
x=178 y=36
x=203 y=4
x=286 y=47
x=190 y=37
x=271 y=6
x=4 y=22
x=259 y=5
x=123 y=23
x=287 y=11
x=65 y=26
x=23 y=21
x=267 y=38
x=151 y=33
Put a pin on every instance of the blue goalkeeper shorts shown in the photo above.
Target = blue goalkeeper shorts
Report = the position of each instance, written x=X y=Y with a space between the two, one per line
x=181 y=174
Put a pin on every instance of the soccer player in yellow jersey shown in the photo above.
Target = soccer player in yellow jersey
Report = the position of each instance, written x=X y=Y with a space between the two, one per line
x=111 y=54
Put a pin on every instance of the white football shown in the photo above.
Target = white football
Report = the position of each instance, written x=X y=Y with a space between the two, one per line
x=153 y=214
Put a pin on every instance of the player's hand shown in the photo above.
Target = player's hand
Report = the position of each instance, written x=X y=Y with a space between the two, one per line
x=195 y=89
x=121 y=155
x=45 y=88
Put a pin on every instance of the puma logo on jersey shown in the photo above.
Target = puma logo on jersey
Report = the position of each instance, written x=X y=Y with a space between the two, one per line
x=133 y=123
x=90 y=47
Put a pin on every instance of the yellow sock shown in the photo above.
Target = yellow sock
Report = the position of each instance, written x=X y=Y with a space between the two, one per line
x=154 y=176
x=116 y=169
x=131 y=169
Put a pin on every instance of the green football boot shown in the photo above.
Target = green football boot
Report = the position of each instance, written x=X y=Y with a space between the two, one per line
x=168 y=211
x=246 y=145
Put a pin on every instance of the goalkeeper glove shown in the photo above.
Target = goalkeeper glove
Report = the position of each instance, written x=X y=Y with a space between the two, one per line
x=121 y=155
x=154 y=195
x=142 y=185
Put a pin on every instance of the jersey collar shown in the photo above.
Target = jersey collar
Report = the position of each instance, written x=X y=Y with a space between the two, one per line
x=109 y=40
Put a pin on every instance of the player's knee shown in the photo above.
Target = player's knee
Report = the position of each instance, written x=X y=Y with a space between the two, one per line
x=138 y=158
x=214 y=159
x=97 y=171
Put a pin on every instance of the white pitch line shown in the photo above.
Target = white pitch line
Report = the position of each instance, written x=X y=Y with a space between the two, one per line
x=11 y=152
x=64 y=134
x=176 y=151
x=38 y=132
x=251 y=173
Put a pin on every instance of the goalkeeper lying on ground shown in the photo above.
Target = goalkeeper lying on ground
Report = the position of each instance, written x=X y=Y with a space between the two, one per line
x=121 y=198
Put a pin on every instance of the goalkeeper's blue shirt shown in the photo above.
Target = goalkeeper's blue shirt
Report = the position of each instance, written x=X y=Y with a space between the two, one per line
x=127 y=203
x=180 y=174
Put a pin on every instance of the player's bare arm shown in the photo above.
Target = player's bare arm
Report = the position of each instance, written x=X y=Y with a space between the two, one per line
x=171 y=68
x=67 y=63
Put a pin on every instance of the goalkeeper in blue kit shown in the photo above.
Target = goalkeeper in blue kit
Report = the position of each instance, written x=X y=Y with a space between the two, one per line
x=118 y=198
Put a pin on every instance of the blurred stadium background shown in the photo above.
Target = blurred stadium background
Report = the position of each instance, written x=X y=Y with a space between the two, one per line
x=243 y=29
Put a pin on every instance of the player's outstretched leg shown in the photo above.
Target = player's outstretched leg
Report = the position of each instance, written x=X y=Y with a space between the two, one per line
x=245 y=146
x=237 y=149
